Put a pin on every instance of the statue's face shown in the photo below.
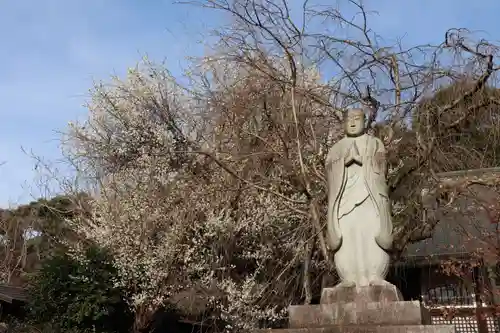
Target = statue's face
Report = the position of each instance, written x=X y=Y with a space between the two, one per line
x=354 y=122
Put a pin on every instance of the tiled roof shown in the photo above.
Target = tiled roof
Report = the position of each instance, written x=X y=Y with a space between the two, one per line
x=462 y=227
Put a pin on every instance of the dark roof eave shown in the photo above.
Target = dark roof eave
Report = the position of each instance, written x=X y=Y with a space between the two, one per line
x=10 y=294
x=424 y=260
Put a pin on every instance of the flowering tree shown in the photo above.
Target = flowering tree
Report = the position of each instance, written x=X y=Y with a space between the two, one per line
x=217 y=188
x=208 y=195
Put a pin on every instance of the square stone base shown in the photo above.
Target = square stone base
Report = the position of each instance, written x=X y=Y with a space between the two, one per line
x=373 y=313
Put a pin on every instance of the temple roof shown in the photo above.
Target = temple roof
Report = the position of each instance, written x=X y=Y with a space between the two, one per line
x=463 y=227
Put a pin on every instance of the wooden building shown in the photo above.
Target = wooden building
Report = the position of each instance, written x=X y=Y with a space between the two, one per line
x=455 y=273
x=12 y=300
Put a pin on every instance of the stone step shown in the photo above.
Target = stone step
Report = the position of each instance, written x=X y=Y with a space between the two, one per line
x=369 y=329
x=373 y=313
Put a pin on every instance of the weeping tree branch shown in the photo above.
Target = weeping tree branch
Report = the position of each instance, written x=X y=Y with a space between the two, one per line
x=479 y=84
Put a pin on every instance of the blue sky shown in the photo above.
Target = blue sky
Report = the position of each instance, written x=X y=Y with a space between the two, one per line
x=52 y=50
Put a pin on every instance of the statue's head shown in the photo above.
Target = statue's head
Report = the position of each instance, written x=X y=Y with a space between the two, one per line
x=354 y=122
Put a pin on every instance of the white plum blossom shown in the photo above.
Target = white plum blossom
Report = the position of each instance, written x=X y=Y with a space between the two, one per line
x=176 y=219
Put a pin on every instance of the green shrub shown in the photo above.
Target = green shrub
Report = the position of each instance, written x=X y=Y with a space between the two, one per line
x=78 y=296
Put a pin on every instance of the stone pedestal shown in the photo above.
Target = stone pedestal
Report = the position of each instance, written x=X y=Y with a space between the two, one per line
x=375 y=309
x=381 y=294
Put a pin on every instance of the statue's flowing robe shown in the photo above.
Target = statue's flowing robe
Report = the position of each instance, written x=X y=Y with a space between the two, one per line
x=359 y=225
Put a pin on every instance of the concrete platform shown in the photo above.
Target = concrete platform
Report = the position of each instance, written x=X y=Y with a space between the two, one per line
x=373 y=313
x=370 y=309
x=369 y=329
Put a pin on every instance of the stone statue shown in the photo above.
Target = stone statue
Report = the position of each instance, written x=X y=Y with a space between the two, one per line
x=359 y=226
x=360 y=232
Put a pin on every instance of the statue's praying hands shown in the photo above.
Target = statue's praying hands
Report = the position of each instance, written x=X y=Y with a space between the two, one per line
x=352 y=155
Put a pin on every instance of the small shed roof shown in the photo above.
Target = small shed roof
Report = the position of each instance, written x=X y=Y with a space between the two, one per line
x=10 y=293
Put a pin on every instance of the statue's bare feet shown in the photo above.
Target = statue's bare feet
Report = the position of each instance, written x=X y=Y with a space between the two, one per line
x=347 y=284
x=379 y=282
x=363 y=282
